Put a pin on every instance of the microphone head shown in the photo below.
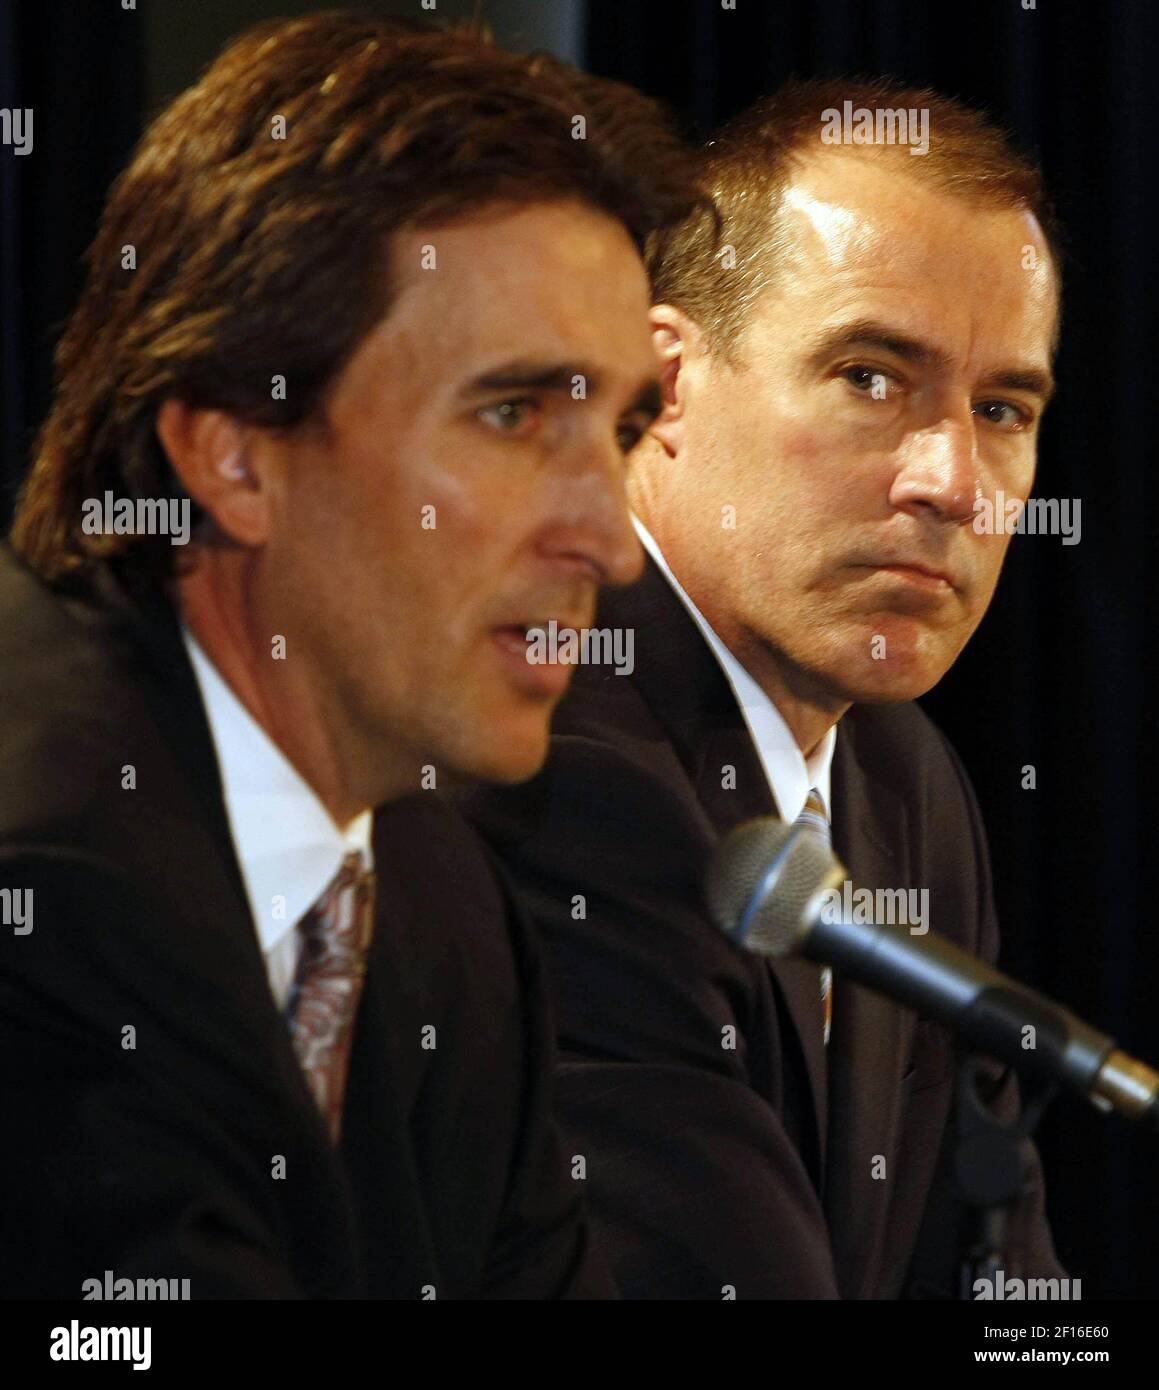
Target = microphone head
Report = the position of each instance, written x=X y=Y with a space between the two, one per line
x=762 y=877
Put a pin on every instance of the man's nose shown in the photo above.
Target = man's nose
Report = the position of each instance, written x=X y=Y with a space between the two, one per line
x=593 y=520
x=939 y=473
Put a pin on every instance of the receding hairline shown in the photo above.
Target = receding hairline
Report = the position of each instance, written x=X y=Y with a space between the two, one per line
x=774 y=254
x=759 y=154
x=802 y=163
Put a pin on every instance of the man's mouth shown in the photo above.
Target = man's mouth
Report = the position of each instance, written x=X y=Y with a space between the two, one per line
x=529 y=659
x=514 y=637
x=921 y=574
x=518 y=637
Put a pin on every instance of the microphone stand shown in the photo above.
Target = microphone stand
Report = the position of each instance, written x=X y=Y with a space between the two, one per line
x=990 y=1166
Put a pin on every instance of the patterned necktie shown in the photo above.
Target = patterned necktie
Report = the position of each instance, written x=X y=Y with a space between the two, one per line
x=336 y=935
x=814 y=817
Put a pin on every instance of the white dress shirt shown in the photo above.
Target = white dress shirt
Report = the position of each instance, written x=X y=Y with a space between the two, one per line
x=287 y=844
x=790 y=776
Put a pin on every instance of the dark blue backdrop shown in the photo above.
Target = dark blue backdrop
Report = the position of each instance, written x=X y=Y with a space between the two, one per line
x=1062 y=672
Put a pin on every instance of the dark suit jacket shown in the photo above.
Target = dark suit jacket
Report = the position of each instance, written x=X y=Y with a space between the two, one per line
x=775 y=1166
x=198 y=1151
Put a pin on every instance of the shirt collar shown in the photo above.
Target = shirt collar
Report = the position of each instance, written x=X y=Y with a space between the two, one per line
x=790 y=776
x=287 y=844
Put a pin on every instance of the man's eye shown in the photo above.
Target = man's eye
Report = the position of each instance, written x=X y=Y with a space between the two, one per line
x=1003 y=414
x=869 y=381
x=507 y=416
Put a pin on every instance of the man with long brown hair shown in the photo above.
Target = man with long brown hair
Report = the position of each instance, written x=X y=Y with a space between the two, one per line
x=342 y=412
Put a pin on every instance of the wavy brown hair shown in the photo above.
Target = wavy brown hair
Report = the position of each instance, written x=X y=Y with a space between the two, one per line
x=259 y=256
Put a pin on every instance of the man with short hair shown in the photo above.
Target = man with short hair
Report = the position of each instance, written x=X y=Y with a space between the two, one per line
x=864 y=354
x=337 y=311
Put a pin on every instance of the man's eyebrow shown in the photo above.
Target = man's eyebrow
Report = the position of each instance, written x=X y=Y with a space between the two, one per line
x=560 y=376
x=522 y=375
x=1029 y=379
x=875 y=334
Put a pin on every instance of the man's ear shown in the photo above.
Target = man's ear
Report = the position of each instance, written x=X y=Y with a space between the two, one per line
x=678 y=343
x=208 y=451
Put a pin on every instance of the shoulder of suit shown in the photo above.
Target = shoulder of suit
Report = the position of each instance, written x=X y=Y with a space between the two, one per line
x=66 y=705
x=426 y=848
x=456 y=927
x=901 y=745
x=426 y=828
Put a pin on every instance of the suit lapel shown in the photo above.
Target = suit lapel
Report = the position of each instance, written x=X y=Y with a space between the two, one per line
x=870 y=837
x=682 y=683
x=396 y=1239
x=204 y=866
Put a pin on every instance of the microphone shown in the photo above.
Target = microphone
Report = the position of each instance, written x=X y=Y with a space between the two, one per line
x=769 y=887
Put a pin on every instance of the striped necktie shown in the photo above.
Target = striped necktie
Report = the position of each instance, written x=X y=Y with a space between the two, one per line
x=336 y=935
x=815 y=819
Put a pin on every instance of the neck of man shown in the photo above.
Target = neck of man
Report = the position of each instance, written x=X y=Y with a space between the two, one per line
x=808 y=708
x=219 y=603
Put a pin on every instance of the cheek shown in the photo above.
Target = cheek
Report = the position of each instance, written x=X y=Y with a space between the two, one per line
x=799 y=488
x=469 y=481
x=450 y=547
x=465 y=521
x=798 y=446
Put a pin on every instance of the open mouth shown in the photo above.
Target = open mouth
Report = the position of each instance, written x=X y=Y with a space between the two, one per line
x=531 y=663
x=516 y=637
